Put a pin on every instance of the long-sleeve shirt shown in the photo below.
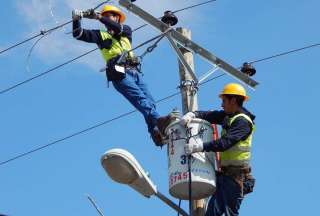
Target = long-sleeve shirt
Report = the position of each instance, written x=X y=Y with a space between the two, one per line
x=239 y=130
x=94 y=36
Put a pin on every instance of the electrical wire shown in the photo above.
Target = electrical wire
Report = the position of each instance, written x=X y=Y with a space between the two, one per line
x=71 y=60
x=128 y=113
x=91 y=128
x=45 y=72
x=48 y=32
x=88 y=52
x=44 y=32
x=285 y=53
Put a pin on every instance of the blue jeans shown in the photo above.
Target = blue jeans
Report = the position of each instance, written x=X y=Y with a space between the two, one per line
x=136 y=92
x=227 y=199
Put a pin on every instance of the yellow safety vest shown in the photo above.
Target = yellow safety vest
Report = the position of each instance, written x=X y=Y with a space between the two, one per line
x=117 y=47
x=240 y=153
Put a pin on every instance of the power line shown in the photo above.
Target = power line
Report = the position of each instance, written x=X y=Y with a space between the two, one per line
x=192 y=6
x=128 y=113
x=71 y=60
x=86 y=53
x=92 y=127
x=46 y=32
x=177 y=11
x=43 y=33
x=45 y=72
x=286 y=53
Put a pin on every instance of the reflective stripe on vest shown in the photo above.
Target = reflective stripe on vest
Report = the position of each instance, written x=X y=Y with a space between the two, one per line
x=117 y=47
x=240 y=153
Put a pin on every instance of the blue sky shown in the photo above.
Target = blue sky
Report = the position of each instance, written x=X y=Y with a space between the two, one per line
x=54 y=181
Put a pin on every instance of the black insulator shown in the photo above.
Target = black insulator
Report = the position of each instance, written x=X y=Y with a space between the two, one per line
x=169 y=18
x=248 y=69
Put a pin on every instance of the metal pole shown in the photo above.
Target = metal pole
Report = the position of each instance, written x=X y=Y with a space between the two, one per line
x=171 y=204
x=95 y=205
x=189 y=103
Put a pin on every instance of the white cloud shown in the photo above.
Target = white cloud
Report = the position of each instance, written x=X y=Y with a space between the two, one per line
x=58 y=46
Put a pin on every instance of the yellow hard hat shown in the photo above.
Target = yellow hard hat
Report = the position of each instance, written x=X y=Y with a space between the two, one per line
x=234 y=89
x=113 y=9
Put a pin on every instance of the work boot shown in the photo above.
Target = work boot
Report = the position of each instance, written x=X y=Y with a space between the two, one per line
x=156 y=137
x=163 y=122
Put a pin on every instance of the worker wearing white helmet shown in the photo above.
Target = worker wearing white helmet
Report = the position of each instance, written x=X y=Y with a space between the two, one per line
x=234 y=180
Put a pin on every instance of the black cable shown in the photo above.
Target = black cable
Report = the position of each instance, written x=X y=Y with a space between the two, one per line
x=42 y=32
x=65 y=63
x=89 y=128
x=192 y=6
x=286 y=53
x=45 y=32
x=178 y=214
x=22 y=42
x=263 y=59
x=176 y=11
x=190 y=186
x=44 y=73
x=61 y=25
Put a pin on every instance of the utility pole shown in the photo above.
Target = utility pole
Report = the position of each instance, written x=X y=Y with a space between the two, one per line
x=189 y=100
x=188 y=93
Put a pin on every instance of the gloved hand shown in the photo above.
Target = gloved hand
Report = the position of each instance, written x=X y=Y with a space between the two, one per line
x=187 y=118
x=77 y=14
x=190 y=148
x=90 y=14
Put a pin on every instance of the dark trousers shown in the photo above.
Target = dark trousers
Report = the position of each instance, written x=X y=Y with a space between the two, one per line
x=227 y=199
x=134 y=89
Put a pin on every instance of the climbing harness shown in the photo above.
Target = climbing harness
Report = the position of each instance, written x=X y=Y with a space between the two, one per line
x=116 y=70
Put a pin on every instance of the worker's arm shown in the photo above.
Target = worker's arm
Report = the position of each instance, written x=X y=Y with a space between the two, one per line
x=240 y=129
x=118 y=29
x=114 y=26
x=90 y=36
x=214 y=117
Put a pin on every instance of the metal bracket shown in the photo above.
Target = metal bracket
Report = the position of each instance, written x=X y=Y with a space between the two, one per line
x=189 y=44
x=191 y=84
x=181 y=58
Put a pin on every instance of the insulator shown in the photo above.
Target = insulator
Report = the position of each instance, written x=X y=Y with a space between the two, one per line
x=169 y=18
x=248 y=69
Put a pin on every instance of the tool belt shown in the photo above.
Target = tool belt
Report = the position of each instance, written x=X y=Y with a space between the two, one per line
x=116 y=67
x=241 y=175
x=132 y=62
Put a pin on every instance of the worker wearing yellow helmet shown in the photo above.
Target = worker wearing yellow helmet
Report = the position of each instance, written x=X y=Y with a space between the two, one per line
x=123 y=68
x=234 y=179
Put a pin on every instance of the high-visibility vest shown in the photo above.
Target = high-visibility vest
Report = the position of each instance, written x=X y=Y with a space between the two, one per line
x=117 y=47
x=240 y=153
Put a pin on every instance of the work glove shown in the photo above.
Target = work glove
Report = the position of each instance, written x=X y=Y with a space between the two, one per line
x=187 y=118
x=77 y=14
x=190 y=148
x=90 y=14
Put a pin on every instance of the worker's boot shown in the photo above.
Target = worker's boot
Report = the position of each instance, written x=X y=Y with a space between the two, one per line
x=157 y=137
x=163 y=123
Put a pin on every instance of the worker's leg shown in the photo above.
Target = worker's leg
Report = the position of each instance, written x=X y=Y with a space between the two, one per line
x=143 y=86
x=133 y=93
x=227 y=199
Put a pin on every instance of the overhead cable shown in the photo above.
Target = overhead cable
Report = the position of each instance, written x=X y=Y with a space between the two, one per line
x=69 y=61
x=286 y=53
x=88 y=52
x=45 y=32
x=91 y=127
